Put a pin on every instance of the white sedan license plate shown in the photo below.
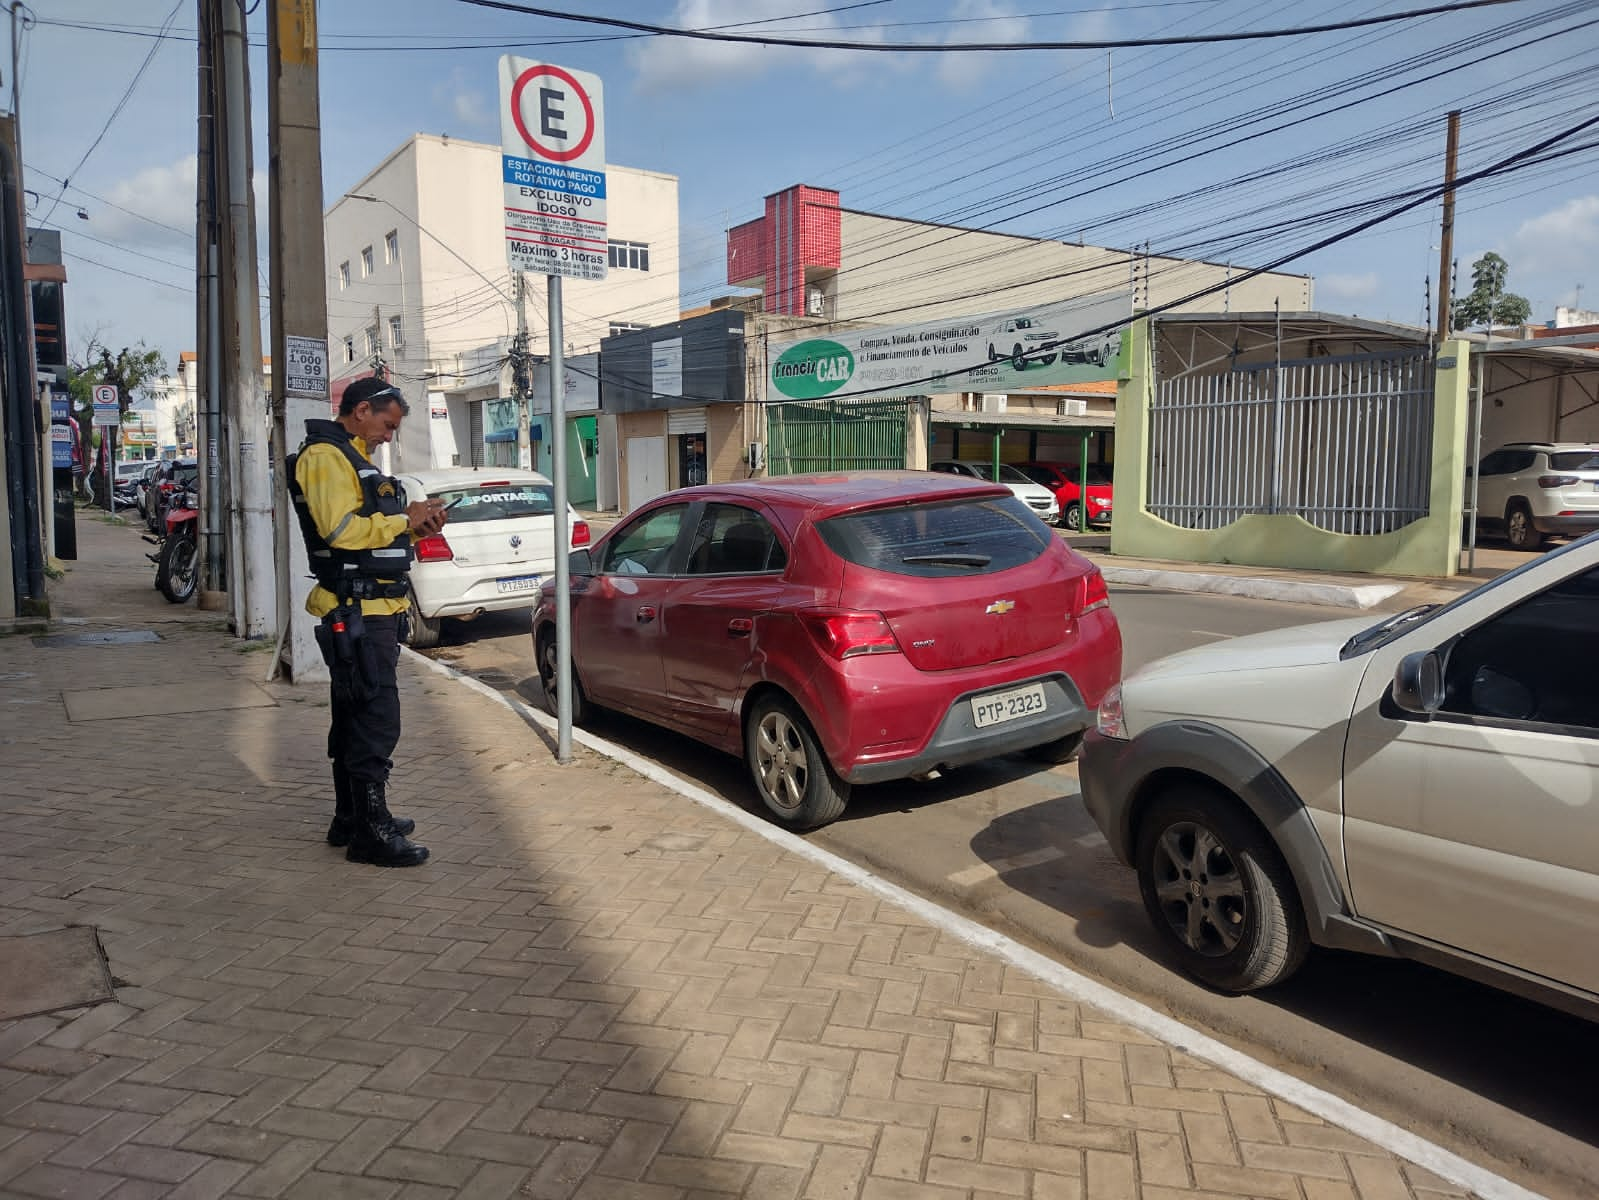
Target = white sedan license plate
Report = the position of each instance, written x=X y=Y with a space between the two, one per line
x=999 y=707
x=520 y=583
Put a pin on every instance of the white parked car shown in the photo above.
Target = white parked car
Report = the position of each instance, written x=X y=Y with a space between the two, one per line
x=1423 y=786
x=1035 y=495
x=1530 y=489
x=1021 y=339
x=495 y=551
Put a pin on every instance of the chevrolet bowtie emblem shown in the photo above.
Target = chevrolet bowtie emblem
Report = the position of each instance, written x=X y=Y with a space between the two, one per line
x=1000 y=606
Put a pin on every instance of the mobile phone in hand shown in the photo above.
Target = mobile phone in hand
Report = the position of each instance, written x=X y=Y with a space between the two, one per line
x=453 y=503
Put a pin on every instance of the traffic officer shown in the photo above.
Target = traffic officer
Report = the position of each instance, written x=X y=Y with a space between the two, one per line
x=358 y=532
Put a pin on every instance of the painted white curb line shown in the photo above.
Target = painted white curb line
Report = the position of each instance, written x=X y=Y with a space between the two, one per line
x=1339 y=595
x=1333 y=1109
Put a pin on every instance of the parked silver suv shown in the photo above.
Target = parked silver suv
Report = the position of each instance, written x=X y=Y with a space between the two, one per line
x=1422 y=786
x=1530 y=489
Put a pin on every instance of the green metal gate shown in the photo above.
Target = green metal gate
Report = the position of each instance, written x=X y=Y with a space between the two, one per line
x=836 y=435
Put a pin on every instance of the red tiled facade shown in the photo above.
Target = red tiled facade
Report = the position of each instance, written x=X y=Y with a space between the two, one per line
x=798 y=234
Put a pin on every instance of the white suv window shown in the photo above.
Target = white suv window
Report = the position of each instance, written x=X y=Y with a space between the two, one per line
x=1532 y=663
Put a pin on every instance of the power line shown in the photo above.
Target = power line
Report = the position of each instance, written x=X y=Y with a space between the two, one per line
x=962 y=47
x=1503 y=166
x=115 y=112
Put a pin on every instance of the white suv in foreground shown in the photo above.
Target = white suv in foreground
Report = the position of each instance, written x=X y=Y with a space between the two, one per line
x=1424 y=787
x=1529 y=489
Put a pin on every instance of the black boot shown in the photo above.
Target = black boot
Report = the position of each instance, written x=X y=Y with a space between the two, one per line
x=344 y=812
x=373 y=836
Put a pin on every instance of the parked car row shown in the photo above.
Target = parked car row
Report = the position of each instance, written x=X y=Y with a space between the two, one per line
x=1053 y=490
x=1416 y=786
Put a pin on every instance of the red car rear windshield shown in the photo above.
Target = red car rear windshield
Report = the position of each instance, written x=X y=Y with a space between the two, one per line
x=940 y=539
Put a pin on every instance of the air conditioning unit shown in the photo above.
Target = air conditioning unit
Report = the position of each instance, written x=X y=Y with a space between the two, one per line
x=994 y=402
x=815 y=303
x=1072 y=408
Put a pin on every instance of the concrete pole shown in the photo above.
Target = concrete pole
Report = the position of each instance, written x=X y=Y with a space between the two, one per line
x=1446 y=248
x=299 y=292
x=254 y=592
x=207 y=322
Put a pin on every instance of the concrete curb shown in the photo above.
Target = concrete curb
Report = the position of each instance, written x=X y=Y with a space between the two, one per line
x=1258 y=587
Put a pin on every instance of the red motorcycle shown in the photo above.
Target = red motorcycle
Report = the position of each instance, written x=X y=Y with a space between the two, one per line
x=177 y=571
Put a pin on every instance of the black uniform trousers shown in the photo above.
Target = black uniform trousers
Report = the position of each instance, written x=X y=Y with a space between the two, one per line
x=365 y=700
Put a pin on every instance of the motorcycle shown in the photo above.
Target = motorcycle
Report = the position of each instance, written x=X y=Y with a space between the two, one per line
x=177 y=560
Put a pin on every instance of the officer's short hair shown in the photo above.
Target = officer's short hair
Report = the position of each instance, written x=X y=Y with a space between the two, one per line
x=380 y=393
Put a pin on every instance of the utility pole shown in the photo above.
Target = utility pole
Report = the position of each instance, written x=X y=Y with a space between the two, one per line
x=253 y=586
x=301 y=379
x=521 y=377
x=207 y=324
x=1448 y=239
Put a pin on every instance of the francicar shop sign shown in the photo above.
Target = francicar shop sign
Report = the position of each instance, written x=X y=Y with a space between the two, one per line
x=1069 y=342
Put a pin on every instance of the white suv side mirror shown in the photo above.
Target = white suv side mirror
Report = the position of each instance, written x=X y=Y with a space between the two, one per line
x=1419 y=682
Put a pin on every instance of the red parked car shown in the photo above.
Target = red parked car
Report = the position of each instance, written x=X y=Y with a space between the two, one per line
x=840 y=629
x=1065 y=480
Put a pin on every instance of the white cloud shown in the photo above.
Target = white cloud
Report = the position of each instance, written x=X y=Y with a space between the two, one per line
x=1346 y=289
x=162 y=194
x=466 y=104
x=988 y=21
x=1559 y=240
x=664 y=63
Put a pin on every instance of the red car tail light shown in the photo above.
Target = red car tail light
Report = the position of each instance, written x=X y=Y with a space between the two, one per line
x=1095 y=593
x=1554 y=481
x=434 y=548
x=580 y=533
x=842 y=634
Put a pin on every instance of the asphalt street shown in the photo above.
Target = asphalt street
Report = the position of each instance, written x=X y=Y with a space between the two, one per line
x=1501 y=1080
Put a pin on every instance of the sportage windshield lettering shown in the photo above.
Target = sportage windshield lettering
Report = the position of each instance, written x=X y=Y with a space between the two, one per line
x=498 y=504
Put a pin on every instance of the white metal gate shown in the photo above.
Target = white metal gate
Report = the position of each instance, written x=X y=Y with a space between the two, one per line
x=1344 y=442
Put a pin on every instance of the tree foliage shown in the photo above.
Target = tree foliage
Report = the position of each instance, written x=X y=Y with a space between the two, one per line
x=1488 y=302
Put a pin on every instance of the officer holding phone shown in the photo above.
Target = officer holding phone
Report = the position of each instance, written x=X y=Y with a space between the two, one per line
x=359 y=533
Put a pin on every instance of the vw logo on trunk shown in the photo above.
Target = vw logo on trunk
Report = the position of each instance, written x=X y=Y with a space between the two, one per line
x=516 y=541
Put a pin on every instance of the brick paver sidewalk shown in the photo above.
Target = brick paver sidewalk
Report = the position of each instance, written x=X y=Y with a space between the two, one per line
x=597 y=988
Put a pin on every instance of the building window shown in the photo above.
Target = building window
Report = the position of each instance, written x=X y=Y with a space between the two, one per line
x=372 y=343
x=625 y=327
x=366 y=262
x=396 y=333
x=630 y=256
x=344 y=274
x=349 y=349
x=391 y=246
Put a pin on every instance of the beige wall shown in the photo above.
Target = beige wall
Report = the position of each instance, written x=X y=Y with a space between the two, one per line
x=895 y=271
x=725 y=442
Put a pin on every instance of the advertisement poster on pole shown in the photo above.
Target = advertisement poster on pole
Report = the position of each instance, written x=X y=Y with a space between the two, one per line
x=552 y=142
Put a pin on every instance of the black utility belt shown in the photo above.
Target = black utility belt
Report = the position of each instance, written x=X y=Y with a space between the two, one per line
x=367 y=589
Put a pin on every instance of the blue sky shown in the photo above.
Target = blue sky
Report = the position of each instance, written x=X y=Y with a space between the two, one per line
x=1052 y=143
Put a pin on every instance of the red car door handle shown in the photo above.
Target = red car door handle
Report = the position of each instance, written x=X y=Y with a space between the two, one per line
x=739 y=627
x=645 y=615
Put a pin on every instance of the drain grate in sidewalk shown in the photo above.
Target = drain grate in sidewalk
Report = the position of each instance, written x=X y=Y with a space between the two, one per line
x=44 y=972
x=114 y=637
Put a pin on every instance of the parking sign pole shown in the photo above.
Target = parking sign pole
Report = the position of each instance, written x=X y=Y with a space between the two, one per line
x=563 y=537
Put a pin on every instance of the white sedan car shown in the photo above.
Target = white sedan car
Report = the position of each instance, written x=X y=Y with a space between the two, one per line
x=495 y=551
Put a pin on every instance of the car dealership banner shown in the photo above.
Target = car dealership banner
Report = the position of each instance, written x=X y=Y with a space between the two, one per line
x=1073 y=341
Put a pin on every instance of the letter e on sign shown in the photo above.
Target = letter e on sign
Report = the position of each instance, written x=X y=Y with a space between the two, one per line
x=562 y=113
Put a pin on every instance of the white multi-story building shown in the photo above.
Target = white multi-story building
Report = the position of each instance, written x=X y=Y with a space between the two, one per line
x=418 y=285
x=176 y=402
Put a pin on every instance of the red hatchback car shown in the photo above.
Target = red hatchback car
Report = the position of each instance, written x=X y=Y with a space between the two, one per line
x=1066 y=481
x=840 y=629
